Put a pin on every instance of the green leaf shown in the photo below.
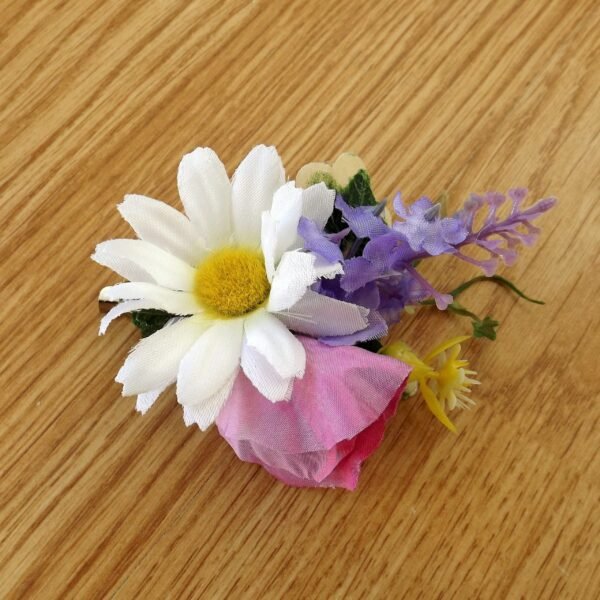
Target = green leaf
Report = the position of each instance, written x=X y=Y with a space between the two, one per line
x=150 y=320
x=485 y=328
x=358 y=192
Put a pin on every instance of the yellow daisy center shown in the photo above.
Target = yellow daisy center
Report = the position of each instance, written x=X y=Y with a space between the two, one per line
x=231 y=282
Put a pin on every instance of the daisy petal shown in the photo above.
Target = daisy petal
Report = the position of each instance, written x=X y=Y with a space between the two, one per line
x=296 y=272
x=164 y=268
x=326 y=269
x=268 y=335
x=121 y=266
x=264 y=377
x=317 y=315
x=279 y=230
x=206 y=413
x=154 y=362
x=286 y=211
x=145 y=401
x=268 y=243
x=205 y=192
x=121 y=309
x=317 y=203
x=255 y=181
x=210 y=362
x=162 y=225
x=176 y=303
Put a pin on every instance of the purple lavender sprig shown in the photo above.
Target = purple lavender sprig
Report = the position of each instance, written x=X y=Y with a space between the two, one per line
x=385 y=279
x=500 y=238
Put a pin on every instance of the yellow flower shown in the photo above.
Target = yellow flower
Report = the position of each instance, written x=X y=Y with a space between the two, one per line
x=336 y=175
x=442 y=378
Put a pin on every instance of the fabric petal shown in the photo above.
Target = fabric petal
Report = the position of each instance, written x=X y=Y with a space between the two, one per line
x=205 y=192
x=164 y=226
x=358 y=272
x=280 y=226
x=318 y=242
x=268 y=243
x=342 y=462
x=121 y=266
x=343 y=391
x=205 y=414
x=296 y=272
x=210 y=362
x=268 y=335
x=264 y=377
x=286 y=212
x=176 y=303
x=363 y=222
x=376 y=328
x=164 y=268
x=331 y=423
x=121 y=309
x=145 y=401
x=154 y=362
x=255 y=181
x=317 y=204
x=317 y=315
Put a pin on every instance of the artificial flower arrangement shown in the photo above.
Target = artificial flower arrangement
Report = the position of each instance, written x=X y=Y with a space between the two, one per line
x=268 y=305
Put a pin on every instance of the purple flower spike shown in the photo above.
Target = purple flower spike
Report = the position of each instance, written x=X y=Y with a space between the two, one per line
x=501 y=237
x=425 y=230
x=384 y=279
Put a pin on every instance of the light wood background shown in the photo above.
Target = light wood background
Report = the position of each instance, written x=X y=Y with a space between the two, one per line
x=102 y=98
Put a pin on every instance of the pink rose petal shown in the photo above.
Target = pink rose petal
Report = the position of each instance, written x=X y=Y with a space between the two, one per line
x=334 y=420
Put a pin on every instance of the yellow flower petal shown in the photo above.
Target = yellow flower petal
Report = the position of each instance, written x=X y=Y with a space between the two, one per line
x=435 y=406
x=444 y=346
x=403 y=352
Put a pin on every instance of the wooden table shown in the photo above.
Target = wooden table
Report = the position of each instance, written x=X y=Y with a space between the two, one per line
x=102 y=98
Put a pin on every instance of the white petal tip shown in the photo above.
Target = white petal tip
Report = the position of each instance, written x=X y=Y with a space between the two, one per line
x=191 y=417
x=105 y=295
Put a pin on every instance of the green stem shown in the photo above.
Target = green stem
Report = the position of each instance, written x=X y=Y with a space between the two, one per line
x=454 y=307
x=496 y=279
x=458 y=309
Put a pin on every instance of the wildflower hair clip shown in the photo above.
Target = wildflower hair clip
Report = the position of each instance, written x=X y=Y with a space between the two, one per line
x=268 y=304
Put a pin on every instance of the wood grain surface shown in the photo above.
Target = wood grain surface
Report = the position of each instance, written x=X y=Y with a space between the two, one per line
x=102 y=98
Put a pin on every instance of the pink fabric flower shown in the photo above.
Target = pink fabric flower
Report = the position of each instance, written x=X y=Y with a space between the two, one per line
x=334 y=420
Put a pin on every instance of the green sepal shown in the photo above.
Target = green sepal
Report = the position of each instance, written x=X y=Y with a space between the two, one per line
x=149 y=320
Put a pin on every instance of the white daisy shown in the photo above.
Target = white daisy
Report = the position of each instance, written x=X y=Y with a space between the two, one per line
x=234 y=272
